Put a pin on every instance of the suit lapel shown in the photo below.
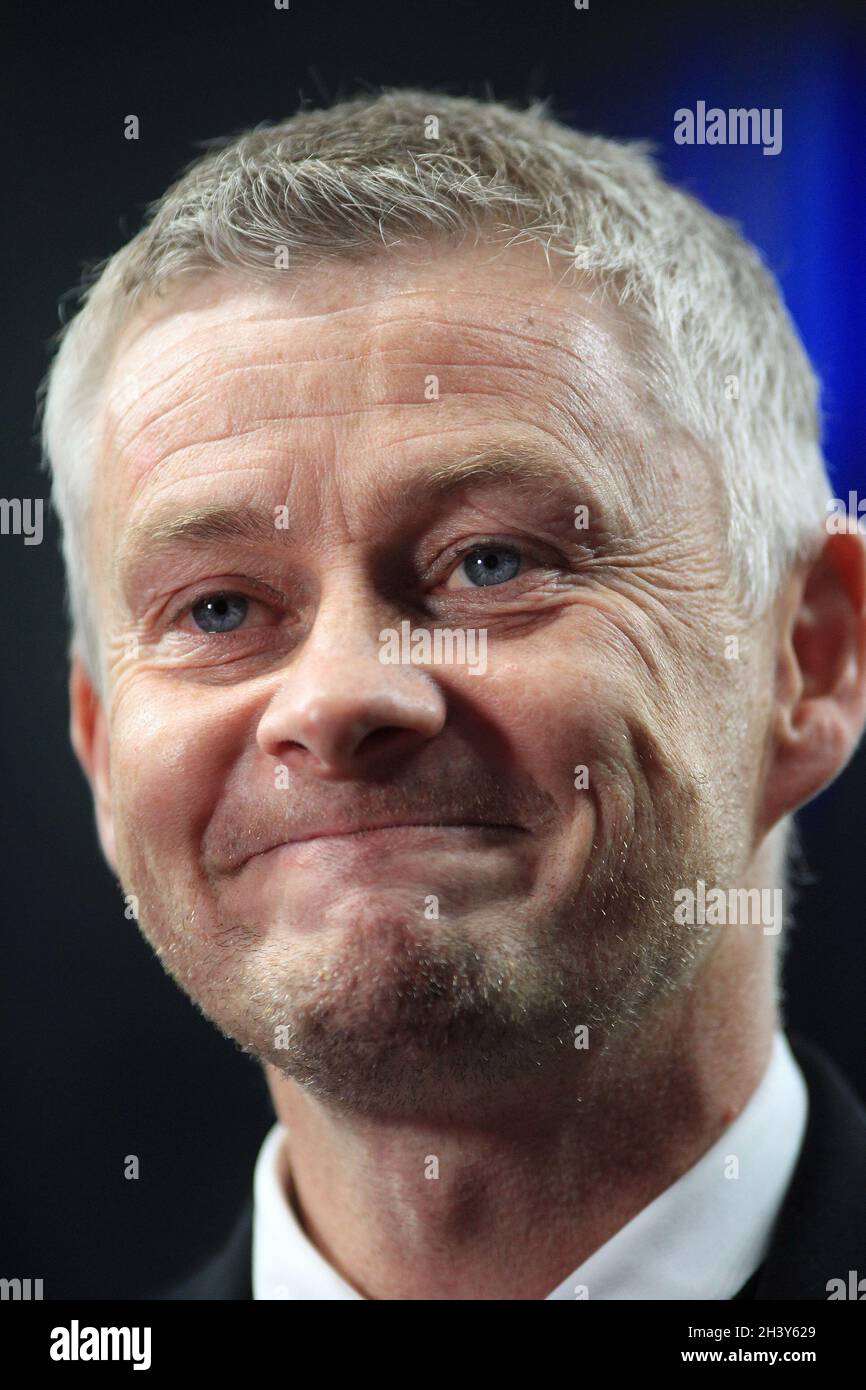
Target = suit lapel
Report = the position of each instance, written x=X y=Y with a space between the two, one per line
x=821 y=1230
x=228 y=1275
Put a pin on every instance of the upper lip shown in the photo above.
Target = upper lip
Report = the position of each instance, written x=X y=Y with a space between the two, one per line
x=348 y=827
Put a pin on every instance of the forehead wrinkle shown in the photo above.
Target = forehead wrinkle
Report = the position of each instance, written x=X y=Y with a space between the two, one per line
x=383 y=319
x=125 y=444
x=378 y=359
x=175 y=328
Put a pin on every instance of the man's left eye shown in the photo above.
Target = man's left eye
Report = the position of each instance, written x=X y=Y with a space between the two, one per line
x=486 y=566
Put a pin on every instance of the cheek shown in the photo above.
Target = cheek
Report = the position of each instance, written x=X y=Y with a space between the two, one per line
x=617 y=742
x=556 y=707
x=170 y=756
x=567 y=722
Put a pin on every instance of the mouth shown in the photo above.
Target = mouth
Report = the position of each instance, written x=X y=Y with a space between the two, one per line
x=395 y=834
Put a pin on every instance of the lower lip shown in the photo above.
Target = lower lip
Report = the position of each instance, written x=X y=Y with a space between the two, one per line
x=372 y=844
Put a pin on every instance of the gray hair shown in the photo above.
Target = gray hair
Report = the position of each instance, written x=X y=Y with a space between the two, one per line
x=379 y=171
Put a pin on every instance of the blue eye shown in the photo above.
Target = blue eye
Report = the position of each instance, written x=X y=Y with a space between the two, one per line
x=491 y=564
x=220 y=612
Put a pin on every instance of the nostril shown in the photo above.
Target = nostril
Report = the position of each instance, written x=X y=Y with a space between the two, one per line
x=376 y=737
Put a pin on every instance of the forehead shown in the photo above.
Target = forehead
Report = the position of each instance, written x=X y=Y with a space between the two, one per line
x=354 y=361
x=510 y=289
x=492 y=303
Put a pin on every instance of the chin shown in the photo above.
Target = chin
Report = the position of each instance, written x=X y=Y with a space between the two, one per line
x=388 y=1016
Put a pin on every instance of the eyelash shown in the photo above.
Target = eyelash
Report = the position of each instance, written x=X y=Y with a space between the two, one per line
x=454 y=562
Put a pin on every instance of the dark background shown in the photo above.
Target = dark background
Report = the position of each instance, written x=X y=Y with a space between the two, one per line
x=102 y=1055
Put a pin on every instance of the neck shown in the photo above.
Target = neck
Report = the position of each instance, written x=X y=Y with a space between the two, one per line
x=414 y=1209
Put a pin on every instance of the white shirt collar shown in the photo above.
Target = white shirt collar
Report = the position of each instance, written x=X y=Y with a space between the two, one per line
x=702 y=1238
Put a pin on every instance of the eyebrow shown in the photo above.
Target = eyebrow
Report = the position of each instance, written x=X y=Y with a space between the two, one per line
x=517 y=462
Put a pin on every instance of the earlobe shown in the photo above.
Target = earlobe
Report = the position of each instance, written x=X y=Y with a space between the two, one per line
x=88 y=731
x=820 y=690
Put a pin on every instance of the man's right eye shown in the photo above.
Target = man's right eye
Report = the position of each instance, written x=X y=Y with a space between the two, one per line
x=219 y=612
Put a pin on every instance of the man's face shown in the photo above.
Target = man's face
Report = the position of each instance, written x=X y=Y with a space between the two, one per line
x=273 y=495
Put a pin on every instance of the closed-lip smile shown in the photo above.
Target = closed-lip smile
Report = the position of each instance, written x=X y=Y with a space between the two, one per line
x=346 y=828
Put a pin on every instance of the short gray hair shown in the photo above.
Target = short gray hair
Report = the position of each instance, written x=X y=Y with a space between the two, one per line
x=380 y=171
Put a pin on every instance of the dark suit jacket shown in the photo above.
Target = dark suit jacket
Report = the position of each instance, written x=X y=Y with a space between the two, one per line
x=820 y=1233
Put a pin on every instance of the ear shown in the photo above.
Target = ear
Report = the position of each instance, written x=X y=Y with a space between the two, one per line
x=820 y=692
x=88 y=730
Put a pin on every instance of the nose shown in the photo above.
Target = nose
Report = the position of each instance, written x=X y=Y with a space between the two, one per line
x=339 y=711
